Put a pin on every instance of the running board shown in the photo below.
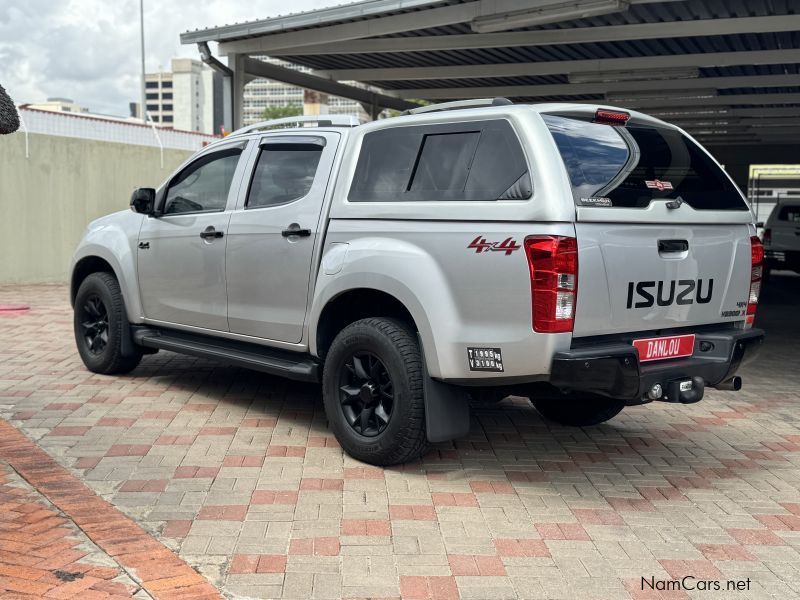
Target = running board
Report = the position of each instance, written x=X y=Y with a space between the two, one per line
x=292 y=365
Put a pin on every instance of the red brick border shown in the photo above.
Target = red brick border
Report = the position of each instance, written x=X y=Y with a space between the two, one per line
x=160 y=572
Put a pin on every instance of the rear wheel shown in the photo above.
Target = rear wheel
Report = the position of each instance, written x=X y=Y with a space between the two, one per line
x=578 y=411
x=99 y=322
x=372 y=385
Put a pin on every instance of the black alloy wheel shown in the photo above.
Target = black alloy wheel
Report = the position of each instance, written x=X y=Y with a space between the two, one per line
x=94 y=324
x=366 y=394
x=100 y=325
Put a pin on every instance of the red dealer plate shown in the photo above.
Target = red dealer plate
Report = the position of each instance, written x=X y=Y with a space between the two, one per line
x=661 y=348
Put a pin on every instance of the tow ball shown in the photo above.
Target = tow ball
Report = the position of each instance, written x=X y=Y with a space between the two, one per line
x=686 y=391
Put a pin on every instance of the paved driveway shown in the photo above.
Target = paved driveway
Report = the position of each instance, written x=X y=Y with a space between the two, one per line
x=238 y=474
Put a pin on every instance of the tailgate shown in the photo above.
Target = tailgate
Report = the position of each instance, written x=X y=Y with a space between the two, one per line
x=649 y=277
x=663 y=233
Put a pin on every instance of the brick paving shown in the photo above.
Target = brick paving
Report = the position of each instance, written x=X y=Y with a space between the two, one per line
x=238 y=474
x=44 y=554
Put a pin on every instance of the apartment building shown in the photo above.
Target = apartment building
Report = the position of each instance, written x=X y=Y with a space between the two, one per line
x=263 y=93
x=187 y=98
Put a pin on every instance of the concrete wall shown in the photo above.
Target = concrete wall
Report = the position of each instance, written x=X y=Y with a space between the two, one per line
x=47 y=200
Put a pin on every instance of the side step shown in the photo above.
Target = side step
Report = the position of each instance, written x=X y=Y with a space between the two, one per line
x=292 y=365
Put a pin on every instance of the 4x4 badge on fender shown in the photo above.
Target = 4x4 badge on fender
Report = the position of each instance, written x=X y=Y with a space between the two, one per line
x=480 y=244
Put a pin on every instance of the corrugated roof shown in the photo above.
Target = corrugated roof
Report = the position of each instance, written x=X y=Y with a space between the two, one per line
x=645 y=13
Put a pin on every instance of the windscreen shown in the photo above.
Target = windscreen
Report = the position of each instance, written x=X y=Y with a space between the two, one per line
x=629 y=167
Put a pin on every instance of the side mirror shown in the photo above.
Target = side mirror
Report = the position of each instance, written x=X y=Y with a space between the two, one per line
x=143 y=201
x=760 y=224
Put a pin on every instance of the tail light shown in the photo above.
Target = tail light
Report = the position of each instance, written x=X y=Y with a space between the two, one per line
x=756 y=271
x=611 y=117
x=767 y=237
x=553 y=263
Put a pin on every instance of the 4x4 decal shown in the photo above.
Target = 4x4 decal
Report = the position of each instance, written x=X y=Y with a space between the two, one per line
x=657 y=184
x=480 y=244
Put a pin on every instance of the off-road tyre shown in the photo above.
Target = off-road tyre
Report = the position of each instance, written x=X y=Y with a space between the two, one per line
x=100 y=293
x=394 y=346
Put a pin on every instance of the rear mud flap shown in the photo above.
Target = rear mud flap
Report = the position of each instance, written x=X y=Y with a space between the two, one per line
x=446 y=408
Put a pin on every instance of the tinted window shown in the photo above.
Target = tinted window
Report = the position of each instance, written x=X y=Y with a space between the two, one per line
x=631 y=166
x=455 y=162
x=283 y=173
x=444 y=162
x=790 y=213
x=203 y=186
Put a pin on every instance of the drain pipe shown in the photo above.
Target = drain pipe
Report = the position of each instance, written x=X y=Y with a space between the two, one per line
x=227 y=82
x=212 y=61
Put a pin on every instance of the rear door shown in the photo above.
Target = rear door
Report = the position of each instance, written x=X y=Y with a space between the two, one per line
x=663 y=233
x=271 y=238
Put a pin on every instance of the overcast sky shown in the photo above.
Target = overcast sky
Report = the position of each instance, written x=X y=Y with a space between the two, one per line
x=88 y=50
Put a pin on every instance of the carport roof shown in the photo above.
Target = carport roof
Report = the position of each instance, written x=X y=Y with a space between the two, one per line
x=721 y=68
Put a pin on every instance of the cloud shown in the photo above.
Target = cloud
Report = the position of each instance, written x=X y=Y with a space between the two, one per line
x=88 y=50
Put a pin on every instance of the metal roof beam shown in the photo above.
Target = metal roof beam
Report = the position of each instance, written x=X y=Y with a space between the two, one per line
x=786 y=129
x=722 y=121
x=727 y=100
x=556 y=67
x=313 y=18
x=266 y=42
x=561 y=89
x=723 y=112
x=552 y=37
x=269 y=35
x=266 y=70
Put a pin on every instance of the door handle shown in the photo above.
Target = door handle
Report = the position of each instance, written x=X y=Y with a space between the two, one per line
x=210 y=233
x=294 y=229
x=672 y=246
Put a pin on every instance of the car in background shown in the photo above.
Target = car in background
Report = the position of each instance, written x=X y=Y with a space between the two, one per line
x=782 y=236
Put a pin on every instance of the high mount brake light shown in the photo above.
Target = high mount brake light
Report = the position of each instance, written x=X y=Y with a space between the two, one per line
x=756 y=272
x=553 y=264
x=611 y=117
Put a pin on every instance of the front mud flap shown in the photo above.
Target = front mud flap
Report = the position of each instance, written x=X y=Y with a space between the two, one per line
x=446 y=407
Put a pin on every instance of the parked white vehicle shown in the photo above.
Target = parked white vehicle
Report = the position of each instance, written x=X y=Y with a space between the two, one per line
x=782 y=236
x=584 y=256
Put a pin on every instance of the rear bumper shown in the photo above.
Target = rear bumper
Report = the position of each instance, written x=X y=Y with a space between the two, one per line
x=614 y=370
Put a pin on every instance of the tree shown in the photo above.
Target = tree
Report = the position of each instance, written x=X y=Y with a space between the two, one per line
x=9 y=120
x=278 y=112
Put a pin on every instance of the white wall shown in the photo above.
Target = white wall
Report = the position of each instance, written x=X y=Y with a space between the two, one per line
x=47 y=200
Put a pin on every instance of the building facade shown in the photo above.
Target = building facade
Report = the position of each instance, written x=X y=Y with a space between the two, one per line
x=59 y=105
x=187 y=98
x=260 y=94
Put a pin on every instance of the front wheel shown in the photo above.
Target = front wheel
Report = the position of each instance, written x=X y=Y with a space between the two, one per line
x=578 y=411
x=372 y=386
x=99 y=322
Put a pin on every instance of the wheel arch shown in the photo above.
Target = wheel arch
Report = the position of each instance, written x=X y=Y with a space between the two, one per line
x=352 y=305
x=85 y=267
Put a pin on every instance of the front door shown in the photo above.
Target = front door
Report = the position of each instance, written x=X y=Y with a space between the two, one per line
x=181 y=252
x=271 y=239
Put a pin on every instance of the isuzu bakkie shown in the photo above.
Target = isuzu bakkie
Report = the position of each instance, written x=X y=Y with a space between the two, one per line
x=587 y=257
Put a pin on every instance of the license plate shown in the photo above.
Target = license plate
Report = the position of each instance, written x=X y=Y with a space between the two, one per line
x=661 y=348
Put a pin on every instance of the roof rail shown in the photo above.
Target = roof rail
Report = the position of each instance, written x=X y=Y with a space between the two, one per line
x=300 y=121
x=458 y=104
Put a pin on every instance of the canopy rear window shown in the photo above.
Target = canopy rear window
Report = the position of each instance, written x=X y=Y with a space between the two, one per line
x=631 y=166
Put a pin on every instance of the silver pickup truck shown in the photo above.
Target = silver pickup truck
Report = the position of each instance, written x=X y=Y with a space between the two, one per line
x=586 y=257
